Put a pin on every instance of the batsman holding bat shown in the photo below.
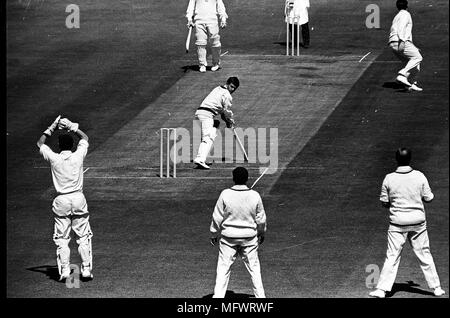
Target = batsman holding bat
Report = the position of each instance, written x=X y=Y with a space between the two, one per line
x=69 y=208
x=218 y=102
x=202 y=14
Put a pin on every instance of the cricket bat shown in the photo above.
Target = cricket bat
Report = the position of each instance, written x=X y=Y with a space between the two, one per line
x=188 y=40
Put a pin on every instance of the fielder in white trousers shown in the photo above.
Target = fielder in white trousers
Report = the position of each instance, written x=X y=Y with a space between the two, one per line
x=239 y=220
x=229 y=249
x=421 y=247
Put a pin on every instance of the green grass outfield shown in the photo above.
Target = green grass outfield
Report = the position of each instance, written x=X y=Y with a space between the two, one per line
x=124 y=74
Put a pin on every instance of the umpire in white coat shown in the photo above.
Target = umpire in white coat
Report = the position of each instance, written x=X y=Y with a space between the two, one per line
x=239 y=220
x=296 y=11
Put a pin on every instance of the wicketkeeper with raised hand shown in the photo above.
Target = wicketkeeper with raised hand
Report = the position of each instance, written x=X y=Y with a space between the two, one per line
x=203 y=14
x=69 y=208
x=218 y=102
x=239 y=225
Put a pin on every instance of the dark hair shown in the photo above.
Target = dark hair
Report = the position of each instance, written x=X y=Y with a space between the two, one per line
x=233 y=80
x=403 y=156
x=402 y=4
x=240 y=175
x=65 y=142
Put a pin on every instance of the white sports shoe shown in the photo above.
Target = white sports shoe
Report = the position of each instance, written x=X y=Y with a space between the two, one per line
x=402 y=79
x=215 y=67
x=86 y=273
x=438 y=291
x=202 y=69
x=378 y=293
x=65 y=273
x=201 y=164
x=414 y=87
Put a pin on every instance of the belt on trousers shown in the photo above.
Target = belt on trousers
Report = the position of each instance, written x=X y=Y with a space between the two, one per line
x=59 y=193
x=406 y=225
x=208 y=109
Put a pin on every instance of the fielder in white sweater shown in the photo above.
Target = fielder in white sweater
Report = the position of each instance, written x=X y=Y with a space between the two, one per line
x=404 y=192
x=400 y=41
x=239 y=220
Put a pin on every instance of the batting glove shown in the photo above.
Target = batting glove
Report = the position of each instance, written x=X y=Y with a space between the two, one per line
x=190 y=23
x=52 y=127
x=223 y=23
x=67 y=124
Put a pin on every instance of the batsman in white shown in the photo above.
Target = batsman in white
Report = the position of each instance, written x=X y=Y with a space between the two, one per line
x=404 y=192
x=218 y=102
x=202 y=14
x=400 y=41
x=239 y=220
x=69 y=208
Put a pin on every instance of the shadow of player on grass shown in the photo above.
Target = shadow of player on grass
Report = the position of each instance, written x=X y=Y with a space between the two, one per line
x=50 y=270
x=409 y=287
x=397 y=86
x=232 y=295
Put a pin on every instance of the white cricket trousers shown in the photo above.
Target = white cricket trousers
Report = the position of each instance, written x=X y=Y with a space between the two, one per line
x=411 y=56
x=421 y=246
x=203 y=32
x=228 y=250
x=209 y=133
x=71 y=213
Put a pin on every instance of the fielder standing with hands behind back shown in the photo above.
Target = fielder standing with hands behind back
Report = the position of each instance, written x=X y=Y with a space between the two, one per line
x=202 y=14
x=403 y=193
x=239 y=221
x=69 y=208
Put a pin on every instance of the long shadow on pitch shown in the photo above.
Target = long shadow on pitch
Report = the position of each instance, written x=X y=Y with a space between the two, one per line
x=195 y=68
x=50 y=270
x=232 y=295
x=409 y=287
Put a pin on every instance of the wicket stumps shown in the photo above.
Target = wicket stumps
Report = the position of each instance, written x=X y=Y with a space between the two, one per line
x=168 y=132
x=295 y=24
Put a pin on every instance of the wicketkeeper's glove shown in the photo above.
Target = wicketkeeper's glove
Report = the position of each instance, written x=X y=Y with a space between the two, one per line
x=67 y=124
x=52 y=127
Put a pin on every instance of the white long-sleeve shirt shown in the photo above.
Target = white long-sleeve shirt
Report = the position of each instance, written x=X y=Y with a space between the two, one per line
x=206 y=11
x=298 y=11
x=239 y=213
x=219 y=102
x=401 y=28
x=405 y=189
x=67 y=167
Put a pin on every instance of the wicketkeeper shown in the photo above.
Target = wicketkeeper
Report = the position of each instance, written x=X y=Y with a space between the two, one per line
x=69 y=208
x=202 y=14
x=218 y=102
x=239 y=225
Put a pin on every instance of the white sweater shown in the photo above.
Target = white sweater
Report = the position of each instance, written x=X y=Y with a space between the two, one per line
x=206 y=11
x=405 y=189
x=239 y=213
x=401 y=28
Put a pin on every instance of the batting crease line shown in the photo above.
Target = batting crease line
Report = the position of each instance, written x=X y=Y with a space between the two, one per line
x=285 y=248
